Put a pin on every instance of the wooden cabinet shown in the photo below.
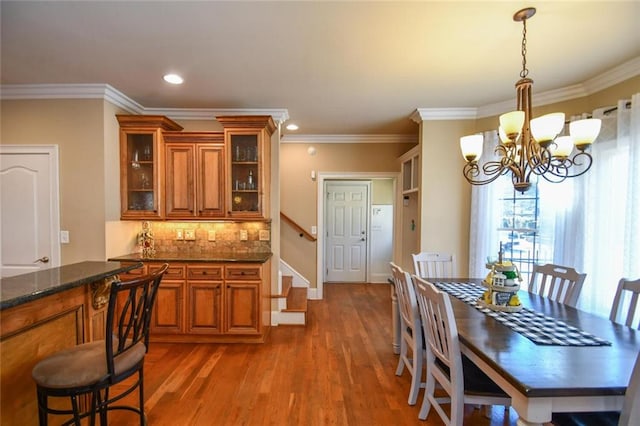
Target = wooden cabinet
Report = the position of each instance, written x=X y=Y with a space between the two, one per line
x=204 y=302
x=211 y=302
x=242 y=298
x=141 y=174
x=166 y=173
x=248 y=142
x=194 y=175
x=168 y=313
x=410 y=171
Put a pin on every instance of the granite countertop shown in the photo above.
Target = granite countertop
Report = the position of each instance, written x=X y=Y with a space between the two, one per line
x=24 y=288
x=198 y=257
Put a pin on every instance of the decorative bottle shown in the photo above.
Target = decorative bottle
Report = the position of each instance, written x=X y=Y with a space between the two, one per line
x=250 y=180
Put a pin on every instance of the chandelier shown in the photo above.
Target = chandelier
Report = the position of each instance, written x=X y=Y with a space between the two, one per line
x=531 y=146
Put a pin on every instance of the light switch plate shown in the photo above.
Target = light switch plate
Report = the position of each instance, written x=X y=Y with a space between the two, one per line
x=179 y=234
x=189 y=234
x=64 y=237
x=264 y=235
x=243 y=235
x=211 y=235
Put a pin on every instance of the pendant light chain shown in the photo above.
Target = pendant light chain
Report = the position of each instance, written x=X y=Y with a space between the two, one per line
x=524 y=71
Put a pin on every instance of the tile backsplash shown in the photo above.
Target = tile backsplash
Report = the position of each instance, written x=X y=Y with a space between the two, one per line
x=211 y=237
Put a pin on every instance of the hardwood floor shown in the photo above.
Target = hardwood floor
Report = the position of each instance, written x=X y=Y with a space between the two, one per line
x=338 y=370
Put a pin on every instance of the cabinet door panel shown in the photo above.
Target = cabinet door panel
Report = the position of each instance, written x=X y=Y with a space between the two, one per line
x=211 y=180
x=205 y=315
x=140 y=181
x=241 y=310
x=179 y=182
x=167 y=312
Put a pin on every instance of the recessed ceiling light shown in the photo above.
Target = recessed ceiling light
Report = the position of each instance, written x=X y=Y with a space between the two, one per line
x=292 y=126
x=173 y=79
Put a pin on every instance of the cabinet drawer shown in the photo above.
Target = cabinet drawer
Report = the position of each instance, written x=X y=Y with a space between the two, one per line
x=174 y=272
x=204 y=272
x=242 y=272
x=133 y=274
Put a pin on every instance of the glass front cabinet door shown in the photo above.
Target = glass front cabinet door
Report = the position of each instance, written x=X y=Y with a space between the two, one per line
x=247 y=139
x=140 y=168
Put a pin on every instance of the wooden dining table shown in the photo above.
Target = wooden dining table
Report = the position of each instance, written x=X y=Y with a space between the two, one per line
x=542 y=378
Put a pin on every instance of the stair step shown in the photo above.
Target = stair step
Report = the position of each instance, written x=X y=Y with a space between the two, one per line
x=287 y=281
x=296 y=300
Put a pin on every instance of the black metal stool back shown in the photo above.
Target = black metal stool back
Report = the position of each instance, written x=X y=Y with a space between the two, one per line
x=91 y=368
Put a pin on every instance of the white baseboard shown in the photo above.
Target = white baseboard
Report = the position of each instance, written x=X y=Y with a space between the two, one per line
x=287 y=318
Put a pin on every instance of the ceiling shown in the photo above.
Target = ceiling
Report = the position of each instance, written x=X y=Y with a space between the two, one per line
x=347 y=67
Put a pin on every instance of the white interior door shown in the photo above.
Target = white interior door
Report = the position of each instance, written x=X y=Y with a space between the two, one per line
x=29 y=216
x=346 y=224
x=381 y=242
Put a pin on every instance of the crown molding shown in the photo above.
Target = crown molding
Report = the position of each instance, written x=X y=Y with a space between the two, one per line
x=119 y=99
x=605 y=80
x=279 y=115
x=108 y=93
x=613 y=76
x=317 y=139
x=425 y=114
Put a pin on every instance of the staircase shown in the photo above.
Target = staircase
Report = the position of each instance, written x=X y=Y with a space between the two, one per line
x=292 y=304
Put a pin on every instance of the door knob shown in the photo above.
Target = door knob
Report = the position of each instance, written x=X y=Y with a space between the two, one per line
x=43 y=259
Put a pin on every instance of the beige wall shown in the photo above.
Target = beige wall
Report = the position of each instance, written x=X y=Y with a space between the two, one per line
x=382 y=191
x=299 y=192
x=445 y=196
x=77 y=127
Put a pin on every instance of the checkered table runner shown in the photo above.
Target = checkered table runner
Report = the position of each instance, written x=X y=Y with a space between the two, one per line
x=539 y=328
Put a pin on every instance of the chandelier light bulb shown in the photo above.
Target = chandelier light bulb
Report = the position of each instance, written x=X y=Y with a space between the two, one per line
x=584 y=132
x=511 y=123
x=563 y=147
x=471 y=147
x=544 y=129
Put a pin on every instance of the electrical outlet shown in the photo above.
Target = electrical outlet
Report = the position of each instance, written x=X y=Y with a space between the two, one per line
x=264 y=235
x=179 y=234
x=211 y=235
x=243 y=235
x=189 y=234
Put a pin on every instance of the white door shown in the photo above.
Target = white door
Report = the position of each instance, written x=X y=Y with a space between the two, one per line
x=29 y=217
x=381 y=242
x=346 y=225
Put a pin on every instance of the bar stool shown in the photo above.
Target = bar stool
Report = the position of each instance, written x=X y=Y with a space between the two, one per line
x=90 y=369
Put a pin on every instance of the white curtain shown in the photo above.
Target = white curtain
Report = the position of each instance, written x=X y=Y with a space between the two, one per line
x=609 y=213
x=483 y=235
x=592 y=221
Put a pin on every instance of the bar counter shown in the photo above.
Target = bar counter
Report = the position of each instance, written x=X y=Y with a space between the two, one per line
x=42 y=313
x=35 y=285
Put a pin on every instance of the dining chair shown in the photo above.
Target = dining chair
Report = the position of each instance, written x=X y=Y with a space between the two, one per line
x=90 y=369
x=629 y=416
x=556 y=282
x=629 y=288
x=433 y=265
x=411 y=337
x=462 y=380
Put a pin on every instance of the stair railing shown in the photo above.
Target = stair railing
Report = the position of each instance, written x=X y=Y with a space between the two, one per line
x=300 y=229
